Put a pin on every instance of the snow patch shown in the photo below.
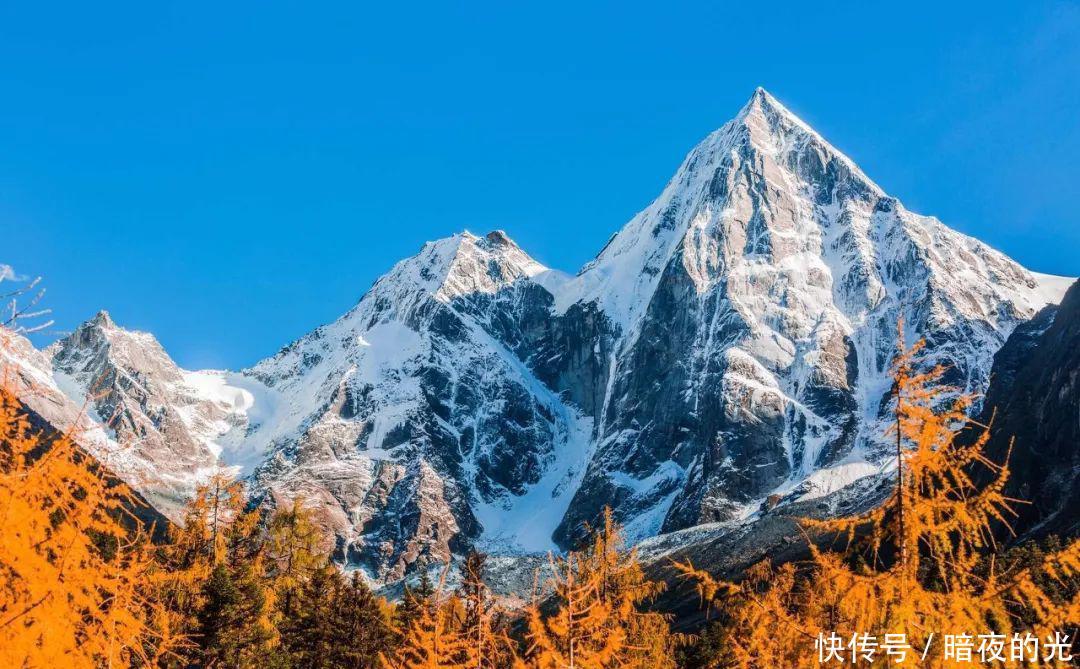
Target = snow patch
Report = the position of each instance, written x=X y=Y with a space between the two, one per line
x=1052 y=287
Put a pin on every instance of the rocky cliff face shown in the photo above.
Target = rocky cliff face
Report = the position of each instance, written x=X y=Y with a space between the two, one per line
x=1033 y=403
x=127 y=404
x=729 y=345
x=756 y=303
x=162 y=417
x=415 y=418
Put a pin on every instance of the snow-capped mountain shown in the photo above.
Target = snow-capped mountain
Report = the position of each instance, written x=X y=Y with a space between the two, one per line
x=757 y=302
x=415 y=418
x=729 y=345
x=158 y=414
x=150 y=422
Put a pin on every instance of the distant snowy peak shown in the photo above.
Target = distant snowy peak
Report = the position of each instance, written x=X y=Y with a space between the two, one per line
x=486 y=265
x=412 y=418
x=99 y=342
x=767 y=188
x=165 y=418
x=756 y=302
x=771 y=128
x=461 y=265
x=763 y=142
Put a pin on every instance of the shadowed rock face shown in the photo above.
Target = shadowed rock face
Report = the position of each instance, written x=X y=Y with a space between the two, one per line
x=757 y=302
x=728 y=346
x=1034 y=403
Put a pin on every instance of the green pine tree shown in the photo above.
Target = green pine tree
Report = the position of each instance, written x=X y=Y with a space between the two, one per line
x=338 y=623
x=362 y=622
x=307 y=636
x=414 y=601
x=234 y=626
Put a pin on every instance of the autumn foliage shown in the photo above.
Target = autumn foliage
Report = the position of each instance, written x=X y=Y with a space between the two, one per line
x=82 y=584
x=236 y=585
x=588 y=615
x=921 y=564
x=597 y=619
x=78 y=584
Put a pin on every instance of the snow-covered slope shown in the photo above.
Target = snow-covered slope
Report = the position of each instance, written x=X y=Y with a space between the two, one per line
x=414 y=420
x=1053 y=287
x=123 y=399
x=30 y=373
x=756 y=303
x=164 y=418
x=729 y=345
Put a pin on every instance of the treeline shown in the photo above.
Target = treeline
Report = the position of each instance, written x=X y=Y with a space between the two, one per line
x=82 y=585
x=244 y=590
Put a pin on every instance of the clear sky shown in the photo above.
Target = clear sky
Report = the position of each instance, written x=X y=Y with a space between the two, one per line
x=230 y=175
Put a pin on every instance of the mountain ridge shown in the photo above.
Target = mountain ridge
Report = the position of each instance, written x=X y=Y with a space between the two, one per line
x=1031 y=407
x=727 y=346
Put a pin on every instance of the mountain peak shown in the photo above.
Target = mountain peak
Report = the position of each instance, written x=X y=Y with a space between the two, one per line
x=102 y=334
x=458 y=266
x=772 y=124
x=764 y=104
x=762 y=96
x=763 y=100
x=102 y=320
x=485 y=264
x=774 y=129
x=496 y=239
x=499 y=238
x=103 y=325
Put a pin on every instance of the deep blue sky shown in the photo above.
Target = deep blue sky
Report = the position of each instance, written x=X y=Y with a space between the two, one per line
x=231 y=176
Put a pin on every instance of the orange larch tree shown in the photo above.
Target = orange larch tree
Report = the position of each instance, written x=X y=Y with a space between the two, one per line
x=487 y=644
x=77 y=579
x=597 y=621
x=294 y=552
x=927 y=545
x=434 y=639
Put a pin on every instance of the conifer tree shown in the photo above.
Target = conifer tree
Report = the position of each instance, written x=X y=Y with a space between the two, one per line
x=218 y=578
x=338 y=623
x=576 y=635
x=293 y=553
x=624 y=586
x=77 y=580
x=488 y=646
x=187 y=560
x=925 y=547
x=597 y=621
x=363 y=623
x=434 y=639
x=217 y=616
x=413 y=601
x=308 y=635
x=234 y=623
